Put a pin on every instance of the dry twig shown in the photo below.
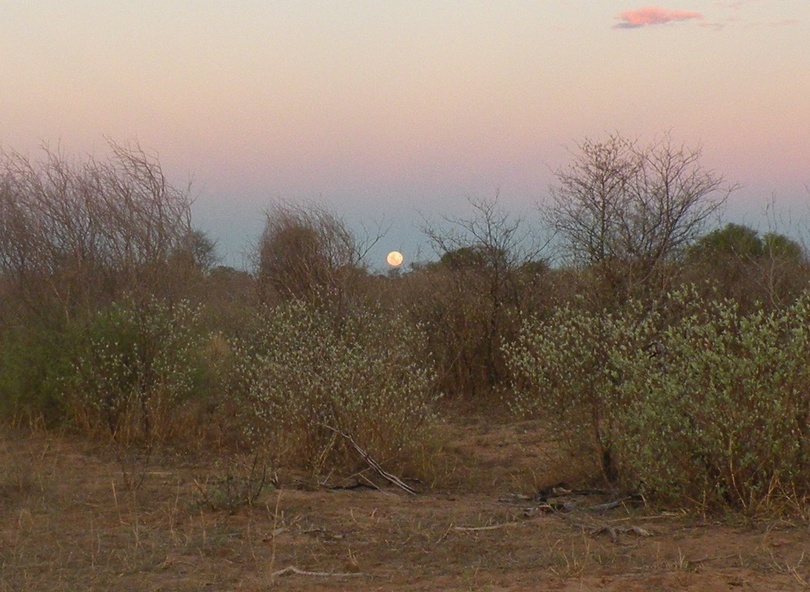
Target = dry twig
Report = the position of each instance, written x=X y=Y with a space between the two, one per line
x=315 y=574
x=374 y=464
x=614 y=531
x=490 y=527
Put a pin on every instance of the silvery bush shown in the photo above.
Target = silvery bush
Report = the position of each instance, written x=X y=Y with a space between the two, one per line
x=722 y=418
x=569 y=368
x=305 y=377
x=693 y=401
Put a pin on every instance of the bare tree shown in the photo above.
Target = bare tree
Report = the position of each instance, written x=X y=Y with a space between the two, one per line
x=80 y=233
x=628 y=211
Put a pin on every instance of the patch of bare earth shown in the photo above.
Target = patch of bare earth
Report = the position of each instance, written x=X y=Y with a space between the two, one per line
x=67 y=522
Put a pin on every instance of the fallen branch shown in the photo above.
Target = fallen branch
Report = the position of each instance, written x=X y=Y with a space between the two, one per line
x=610 y=505
x=491 y=527
x=315 y=574
x=613 y=531
x=374 y=464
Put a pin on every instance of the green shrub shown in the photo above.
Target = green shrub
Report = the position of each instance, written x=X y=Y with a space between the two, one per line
x=303 y=373
x=694 y=402
x=33 y=360
x=722 y=420
x=569 y=369
x=135 y=364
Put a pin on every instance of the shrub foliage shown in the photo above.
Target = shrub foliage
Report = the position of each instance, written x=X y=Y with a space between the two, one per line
x=689 y=399
x=135 y=365
x=303 y=373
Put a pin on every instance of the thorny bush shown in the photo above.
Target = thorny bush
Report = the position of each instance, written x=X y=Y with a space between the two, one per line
x=723 y=417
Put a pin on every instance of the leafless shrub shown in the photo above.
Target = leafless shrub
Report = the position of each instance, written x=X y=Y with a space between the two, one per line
x=234 y=482
x=306 y=252
x=74 y=234
x=473 y=299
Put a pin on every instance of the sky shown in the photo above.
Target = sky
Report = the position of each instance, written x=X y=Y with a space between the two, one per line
x=391 y=112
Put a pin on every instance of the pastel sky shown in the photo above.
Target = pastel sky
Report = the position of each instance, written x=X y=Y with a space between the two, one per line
x=383 y=109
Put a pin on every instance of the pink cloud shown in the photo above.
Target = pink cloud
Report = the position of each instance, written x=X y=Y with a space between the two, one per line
x=652 y=15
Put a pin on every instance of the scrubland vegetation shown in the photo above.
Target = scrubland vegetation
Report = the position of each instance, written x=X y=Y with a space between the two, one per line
x=666 y=354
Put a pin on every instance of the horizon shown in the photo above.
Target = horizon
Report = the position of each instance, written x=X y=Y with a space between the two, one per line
x=388 y=112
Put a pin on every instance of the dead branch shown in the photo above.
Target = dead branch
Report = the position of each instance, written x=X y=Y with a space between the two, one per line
x=374 y=464
x=614 y=531
x=479 y=528
x=610 y=505
x=315 y=574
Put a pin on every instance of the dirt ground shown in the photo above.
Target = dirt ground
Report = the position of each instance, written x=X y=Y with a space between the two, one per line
x=69 y=522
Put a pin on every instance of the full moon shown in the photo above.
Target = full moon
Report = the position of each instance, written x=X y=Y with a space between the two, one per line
x=394 y=258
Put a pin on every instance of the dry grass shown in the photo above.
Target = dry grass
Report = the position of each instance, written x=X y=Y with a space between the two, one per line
x=68 y=522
